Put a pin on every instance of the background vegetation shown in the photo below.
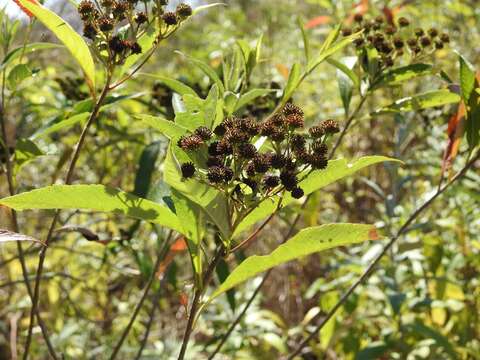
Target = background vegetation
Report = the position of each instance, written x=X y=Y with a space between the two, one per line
x=421 y=302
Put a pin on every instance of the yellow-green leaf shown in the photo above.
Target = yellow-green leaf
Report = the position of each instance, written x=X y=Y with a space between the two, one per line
x=306 y=242
x=65 y=33
x=94 y=198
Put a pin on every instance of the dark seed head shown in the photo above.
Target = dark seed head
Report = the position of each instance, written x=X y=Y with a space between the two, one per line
x=425 y=41
x=398 y=43
x=330 y=126
x=184 y=10
x=288 y=180
x=135 y=48
x=292 y=109
x=445 y=38
x=250 y=169
x=390 y=30
x=262 y=163
x=278 y=161
x=105 y=24
x=188 y=170
x=204 y=132
x=116 y=44
x=438 y=45
x=318 y=161
x=358 y=17
x=141 y=18
x=216 y=174
x=170 y=18
x=220 y=130
x=412 y=42
x=224 y=148
x=247 y=151
x=190 y=143
x=433 y=32
x=213 y=149
x=214 y=161
x=320 y=148
x=358 y=42
x=297 y=193
x=227 y=174
x=89 y=31
x=271 y=181
x=403 y=22
x=316 y=131
x=298 y=142
x=294 y=121
x=86 y=8
x=419 y=32
x=346 y=31
x=119 y=10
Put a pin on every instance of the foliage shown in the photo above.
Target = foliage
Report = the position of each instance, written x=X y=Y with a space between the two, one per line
x=203 y=181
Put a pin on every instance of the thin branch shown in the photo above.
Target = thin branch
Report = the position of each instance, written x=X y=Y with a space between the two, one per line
x=68 y=179
x=196 y=300
x=125 y=333
x=368 y=271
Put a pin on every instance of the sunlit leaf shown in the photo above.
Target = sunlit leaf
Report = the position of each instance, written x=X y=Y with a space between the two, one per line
x=307 y=241
x=421 y=101
x=94 y=198
x=65 y=33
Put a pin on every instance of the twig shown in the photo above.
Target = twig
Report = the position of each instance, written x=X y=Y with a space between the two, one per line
x=11 y=189
x=68 y=179
x=196 y=300
x=151 y=317
x=160 y=257
x=372 y=265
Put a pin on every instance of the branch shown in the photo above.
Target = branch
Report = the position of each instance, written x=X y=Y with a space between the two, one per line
x=368 y=271
x=68 y=179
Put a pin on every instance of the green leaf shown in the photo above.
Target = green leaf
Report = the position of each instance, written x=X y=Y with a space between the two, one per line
x=421 y=101
x=193 y=223
x=467 y=78
x=211 y=200
x=146 y=167
x=472 y=124
x=223 y=272
x=32 y=47
x=65 y=33
x=199 y=9
x=19 y=73
x=293 y=81
x=251 y=95
x=26 y=151
x=345 y=84
x=346 y=70
x=57 y=126
x=173 y=84
x=402 y=74
x=336 y=170
x=331 y=49
x=306 y=42
x=207 y=70
x=307 y=241
x=166 y=127
x=94 y=198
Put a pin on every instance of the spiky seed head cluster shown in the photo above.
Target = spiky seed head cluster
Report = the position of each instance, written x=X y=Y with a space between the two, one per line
x=390 y=39
x=100 y=21
x=235 y=165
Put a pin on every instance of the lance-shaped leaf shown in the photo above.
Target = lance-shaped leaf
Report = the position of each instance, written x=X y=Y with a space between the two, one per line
x=94 y=198
x=336 y=170
x=402 y=74
x=166 y=127
x=65 y=33
x=175 y=85
x=6 y=235
x=421 y=101
x=306 y=242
